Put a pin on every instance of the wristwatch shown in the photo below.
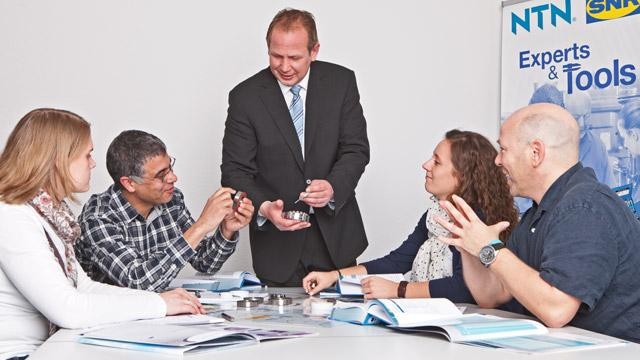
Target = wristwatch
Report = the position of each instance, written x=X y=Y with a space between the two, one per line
x=488 y=253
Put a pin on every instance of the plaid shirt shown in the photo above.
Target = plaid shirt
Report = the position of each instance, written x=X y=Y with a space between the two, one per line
x=119 y=246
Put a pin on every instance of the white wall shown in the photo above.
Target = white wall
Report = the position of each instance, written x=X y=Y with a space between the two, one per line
x=423 y=67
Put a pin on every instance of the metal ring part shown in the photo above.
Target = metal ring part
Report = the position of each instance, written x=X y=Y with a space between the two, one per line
x=237 y=198
x=249 y=302
x=296 y=215
x=279 y=299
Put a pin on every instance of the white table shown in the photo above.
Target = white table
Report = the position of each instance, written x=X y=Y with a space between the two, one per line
x=340 y=341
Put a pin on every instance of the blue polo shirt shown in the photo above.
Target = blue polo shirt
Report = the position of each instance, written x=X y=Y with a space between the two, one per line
x=583 y=240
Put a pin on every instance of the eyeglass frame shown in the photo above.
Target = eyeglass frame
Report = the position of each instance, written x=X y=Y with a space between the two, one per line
x=161 y=176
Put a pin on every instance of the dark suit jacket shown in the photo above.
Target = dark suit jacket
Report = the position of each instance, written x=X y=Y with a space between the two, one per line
x=262 y=155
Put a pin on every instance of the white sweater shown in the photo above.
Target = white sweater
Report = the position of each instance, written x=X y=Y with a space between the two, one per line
x=33 y=287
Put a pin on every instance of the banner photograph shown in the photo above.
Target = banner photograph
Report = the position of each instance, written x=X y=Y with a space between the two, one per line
x=583 y=55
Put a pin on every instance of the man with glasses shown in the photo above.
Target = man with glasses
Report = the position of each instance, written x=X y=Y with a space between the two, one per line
x=139 y=233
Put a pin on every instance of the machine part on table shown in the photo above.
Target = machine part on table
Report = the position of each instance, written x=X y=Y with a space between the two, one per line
x=279 y=299
x=250 y=302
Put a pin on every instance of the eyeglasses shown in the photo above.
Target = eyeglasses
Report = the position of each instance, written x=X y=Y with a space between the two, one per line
x=161 y=176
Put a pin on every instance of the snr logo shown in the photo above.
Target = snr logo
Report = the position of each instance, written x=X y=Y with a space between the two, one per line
x=602 y=10
x=538 y=12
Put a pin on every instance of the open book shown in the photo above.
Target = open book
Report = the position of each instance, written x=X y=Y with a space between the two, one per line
x=442 y=317
x=178 y=339
x=436 y=315
x=397 y=312
x=477 y=327
x=349 y=285
x=217 y=282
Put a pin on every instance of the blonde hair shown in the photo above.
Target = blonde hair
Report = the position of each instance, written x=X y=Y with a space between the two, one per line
x=38 y=153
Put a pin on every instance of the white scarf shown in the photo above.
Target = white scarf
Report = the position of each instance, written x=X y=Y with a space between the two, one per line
x=433 y=260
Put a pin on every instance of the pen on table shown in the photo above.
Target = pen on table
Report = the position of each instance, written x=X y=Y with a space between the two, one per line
x=227 y=317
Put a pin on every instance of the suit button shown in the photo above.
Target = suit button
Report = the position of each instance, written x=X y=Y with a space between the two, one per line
x=308 y=181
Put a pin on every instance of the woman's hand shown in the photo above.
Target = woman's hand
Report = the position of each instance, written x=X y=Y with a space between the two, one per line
x=375 y=287
x=180 y=301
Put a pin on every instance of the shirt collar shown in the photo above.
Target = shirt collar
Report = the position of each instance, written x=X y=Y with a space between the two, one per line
x=124 y=206
x=303 y=83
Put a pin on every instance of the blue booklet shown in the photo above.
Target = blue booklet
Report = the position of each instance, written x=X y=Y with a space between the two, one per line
x=217 y=282
x=397 y=312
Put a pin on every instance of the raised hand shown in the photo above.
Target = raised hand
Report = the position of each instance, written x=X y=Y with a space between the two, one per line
x=468 y=232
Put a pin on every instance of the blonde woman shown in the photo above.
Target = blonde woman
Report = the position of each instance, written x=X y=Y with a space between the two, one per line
x=46 y=160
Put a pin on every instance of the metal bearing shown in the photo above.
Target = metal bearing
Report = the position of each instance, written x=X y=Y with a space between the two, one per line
x=279 y=299
x=249 y=302
x=237 y=198
x=296 y=215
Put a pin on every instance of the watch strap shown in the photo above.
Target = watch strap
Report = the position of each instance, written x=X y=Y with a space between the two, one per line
x=496 y=244
x=402 y=289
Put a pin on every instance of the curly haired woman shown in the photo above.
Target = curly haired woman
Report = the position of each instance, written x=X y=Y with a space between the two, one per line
x=462 y=164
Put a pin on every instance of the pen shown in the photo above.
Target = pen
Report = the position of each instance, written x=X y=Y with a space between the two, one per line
x=227 y=317
x=300 y=198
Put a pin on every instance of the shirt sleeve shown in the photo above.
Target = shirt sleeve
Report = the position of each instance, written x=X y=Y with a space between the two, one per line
x=119 y=259
x=580 y=252
x=401 y=259
x=212 y=252
x=36 y=274
x=353 y=153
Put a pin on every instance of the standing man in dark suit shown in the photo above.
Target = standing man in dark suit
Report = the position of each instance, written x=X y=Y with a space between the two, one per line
x=296 y=130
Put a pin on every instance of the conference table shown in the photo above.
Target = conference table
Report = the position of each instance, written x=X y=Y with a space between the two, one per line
x=334 y=340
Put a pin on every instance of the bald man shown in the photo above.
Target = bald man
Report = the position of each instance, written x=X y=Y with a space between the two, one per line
x=573 y=258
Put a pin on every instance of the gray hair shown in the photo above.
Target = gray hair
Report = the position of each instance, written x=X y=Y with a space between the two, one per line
x=129 y=151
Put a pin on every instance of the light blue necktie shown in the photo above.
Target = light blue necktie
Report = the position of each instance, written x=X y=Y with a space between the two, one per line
x=297 y=113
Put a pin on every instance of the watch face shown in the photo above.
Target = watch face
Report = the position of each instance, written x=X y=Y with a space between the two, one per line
x=487 y=255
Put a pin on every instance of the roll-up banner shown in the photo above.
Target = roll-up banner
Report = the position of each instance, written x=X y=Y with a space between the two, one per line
x=583 y=55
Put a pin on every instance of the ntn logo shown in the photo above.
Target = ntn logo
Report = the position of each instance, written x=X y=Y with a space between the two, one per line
x=538 y=11
x=611 y=9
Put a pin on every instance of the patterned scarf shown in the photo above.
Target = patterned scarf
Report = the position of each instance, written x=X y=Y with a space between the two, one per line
x=64 y=224
x=433 y=260
x=66 y=227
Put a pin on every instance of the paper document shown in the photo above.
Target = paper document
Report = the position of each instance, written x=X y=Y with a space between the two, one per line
x=179 y=339
x=350 y=284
